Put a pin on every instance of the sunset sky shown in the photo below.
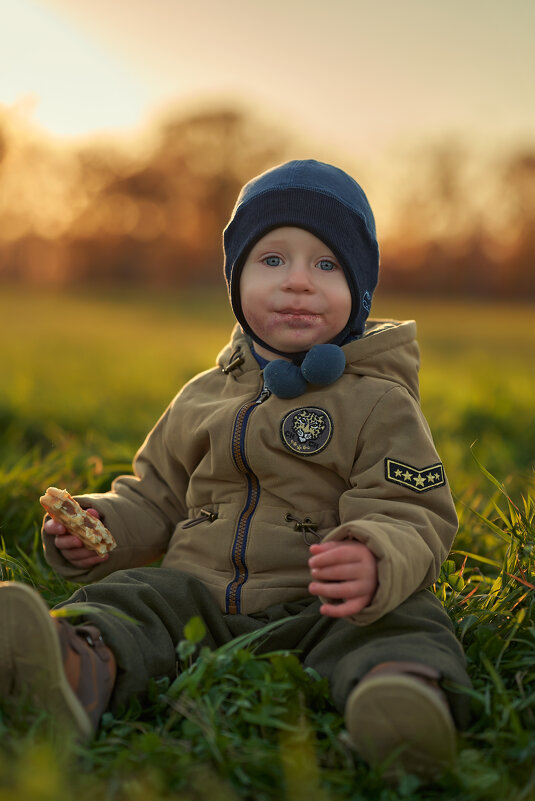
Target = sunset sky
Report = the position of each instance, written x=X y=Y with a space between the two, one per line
x=361 y=75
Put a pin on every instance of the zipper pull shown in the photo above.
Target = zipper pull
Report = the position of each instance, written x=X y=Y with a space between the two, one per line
x=264 y=395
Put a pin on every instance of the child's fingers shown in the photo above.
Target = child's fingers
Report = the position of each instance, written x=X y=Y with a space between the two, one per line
x=339 y=589
x=54 y=528
x=343 y=552
x=320 y=547
x=75 y=552
x=336 y=572
x=86 y=558
x=352 y=607
x=67 y=542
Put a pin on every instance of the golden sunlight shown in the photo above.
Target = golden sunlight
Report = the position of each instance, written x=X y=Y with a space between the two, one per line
x=71 y=83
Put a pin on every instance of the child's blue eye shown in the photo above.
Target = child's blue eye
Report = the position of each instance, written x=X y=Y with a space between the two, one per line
x=272 y=261
x=326 y=264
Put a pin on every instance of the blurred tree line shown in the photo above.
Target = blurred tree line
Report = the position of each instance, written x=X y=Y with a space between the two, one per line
x=464 y=225
x=108 y=214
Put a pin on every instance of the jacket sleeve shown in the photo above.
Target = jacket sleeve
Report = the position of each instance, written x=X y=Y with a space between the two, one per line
x=399 y=503
x=141 y=510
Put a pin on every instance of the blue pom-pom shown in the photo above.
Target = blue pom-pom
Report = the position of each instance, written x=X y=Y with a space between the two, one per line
x=323 y=364
x=284 y=379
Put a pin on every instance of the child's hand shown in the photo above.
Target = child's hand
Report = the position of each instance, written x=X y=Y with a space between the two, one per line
x=343 y=571
x=71 y=547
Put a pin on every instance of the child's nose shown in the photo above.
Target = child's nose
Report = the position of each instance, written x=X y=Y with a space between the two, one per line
x=298 y=277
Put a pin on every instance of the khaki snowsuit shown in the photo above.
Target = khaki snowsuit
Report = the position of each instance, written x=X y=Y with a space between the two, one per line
x=233 y=484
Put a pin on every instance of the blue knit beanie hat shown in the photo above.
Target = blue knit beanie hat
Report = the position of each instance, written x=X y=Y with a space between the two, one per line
x=323 y=200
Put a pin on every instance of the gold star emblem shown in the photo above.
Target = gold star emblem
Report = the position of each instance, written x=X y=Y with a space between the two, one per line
x=414 y=478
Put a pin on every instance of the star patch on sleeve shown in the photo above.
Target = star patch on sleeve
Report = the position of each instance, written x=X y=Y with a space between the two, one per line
x=417 y=479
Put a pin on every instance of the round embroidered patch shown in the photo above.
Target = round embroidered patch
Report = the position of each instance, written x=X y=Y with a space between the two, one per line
x=307 y=431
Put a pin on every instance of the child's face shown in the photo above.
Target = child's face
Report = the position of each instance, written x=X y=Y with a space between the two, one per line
x=293 y=291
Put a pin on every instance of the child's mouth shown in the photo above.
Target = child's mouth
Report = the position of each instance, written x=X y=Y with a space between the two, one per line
x=297 y=317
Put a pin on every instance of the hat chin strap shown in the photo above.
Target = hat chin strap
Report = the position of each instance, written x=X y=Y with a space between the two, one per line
x=297 y=357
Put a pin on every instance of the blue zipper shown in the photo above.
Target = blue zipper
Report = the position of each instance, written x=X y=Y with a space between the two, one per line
x=234 y=588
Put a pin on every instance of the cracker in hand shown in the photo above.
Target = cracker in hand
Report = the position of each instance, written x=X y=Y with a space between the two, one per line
x=64 y=509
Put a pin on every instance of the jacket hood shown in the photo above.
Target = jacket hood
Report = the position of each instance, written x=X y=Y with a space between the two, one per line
x=387 y=350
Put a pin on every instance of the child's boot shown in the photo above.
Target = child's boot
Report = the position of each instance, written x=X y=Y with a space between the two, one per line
x=398 y=716
x=62 y=669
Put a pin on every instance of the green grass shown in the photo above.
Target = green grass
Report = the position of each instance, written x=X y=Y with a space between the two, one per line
x=236 y=724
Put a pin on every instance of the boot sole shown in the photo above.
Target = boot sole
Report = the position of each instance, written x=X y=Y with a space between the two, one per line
x=31 y=663
x=401 y=724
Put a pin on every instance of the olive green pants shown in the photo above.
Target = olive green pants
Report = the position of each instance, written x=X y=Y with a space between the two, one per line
x=162 y=601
